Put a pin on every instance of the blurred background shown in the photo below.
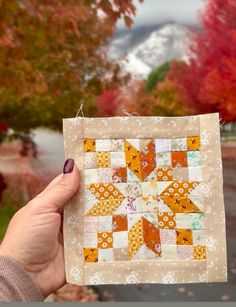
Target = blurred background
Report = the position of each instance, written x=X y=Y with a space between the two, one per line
x=152 y=57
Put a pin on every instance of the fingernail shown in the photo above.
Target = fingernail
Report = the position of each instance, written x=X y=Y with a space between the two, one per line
x=68 y=166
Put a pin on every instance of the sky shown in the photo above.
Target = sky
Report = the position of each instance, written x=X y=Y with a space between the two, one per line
x=158 y=11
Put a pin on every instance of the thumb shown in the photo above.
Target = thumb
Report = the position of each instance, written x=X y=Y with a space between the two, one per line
x=56 y=196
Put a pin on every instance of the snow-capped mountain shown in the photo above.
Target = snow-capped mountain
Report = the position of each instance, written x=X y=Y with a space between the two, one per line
x=164 y=44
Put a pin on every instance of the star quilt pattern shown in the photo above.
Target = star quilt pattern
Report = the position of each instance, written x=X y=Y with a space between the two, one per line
x=150 y=205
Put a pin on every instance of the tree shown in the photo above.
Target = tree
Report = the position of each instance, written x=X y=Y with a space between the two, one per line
x=53 y=57
x=167 y=100
x=108 y=102
x=208 y=82
x=164 y=100
x=157 y=75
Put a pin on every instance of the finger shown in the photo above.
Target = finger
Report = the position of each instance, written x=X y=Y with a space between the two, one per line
x=56 y=197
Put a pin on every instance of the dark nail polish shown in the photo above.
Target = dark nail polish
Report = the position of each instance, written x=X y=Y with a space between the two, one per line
x=68 y=166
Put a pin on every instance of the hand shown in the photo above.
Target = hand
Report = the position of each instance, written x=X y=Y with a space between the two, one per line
x=34 y=236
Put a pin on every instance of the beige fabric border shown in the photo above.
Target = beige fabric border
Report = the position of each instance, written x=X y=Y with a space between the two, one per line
x=158 y=271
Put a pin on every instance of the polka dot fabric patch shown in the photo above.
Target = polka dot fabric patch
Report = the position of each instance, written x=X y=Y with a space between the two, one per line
x=146 y=197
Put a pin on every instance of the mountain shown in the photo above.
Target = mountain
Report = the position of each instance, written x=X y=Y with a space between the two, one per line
x=164 y=44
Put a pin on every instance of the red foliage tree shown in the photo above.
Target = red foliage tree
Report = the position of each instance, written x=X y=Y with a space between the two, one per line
x=108 y=102
x=208 y=82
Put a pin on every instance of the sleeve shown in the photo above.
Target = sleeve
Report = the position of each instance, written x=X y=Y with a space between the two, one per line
x=15 y=283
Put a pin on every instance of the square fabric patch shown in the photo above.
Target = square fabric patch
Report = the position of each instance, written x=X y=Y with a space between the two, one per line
x=150 y=203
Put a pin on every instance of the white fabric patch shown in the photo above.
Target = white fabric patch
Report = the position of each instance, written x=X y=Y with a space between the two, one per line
x=183 y=221
x=133 y=190
x=195 y=173
x=104 y=223
x=179 y=144
x=91 y=224
x=162 y=145
x=120 y=239
x=198 y=236
x=168 y=251
x=104 y=175
x=163 y=159
x=90 y=176
x=194 y=158
x=117 y=145
x=90 y=239
x=118 y=159
x=105 y=254
x=103 y=145
x=90 y=160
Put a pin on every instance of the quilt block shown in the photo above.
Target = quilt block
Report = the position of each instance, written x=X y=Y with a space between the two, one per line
x=150 y=195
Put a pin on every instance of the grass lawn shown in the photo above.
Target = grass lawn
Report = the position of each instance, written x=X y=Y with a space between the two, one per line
x=6 y=212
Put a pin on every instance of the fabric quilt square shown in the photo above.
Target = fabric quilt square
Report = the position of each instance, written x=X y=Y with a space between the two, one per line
x=163 y=145
x=193 y=142
x=119 y=222
x=103 y=145
x=164 y=174
x=119 y=174
x=179 y=144
x=103 y=159
x=90 y=254
x=150 y=202
x=104 y=175
x=163 y=159
x=179 y=159
x=183 y=221
x=90 y=239
x=199 y=252
x=117 y=145
x=104 y=223
x=167 y=236
x=105 y=239
x=166 y=220
x=133 y=190
x=169 y=251
x=91 y=224
x=198 y=237
x=90 y=160
x=118 y=159
x=185 y=251
x=195 y=173
x=194 y=158
x=91 y=175
x=184 y=237
x=105 y=254
x=120 y=239
x=89 y=145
